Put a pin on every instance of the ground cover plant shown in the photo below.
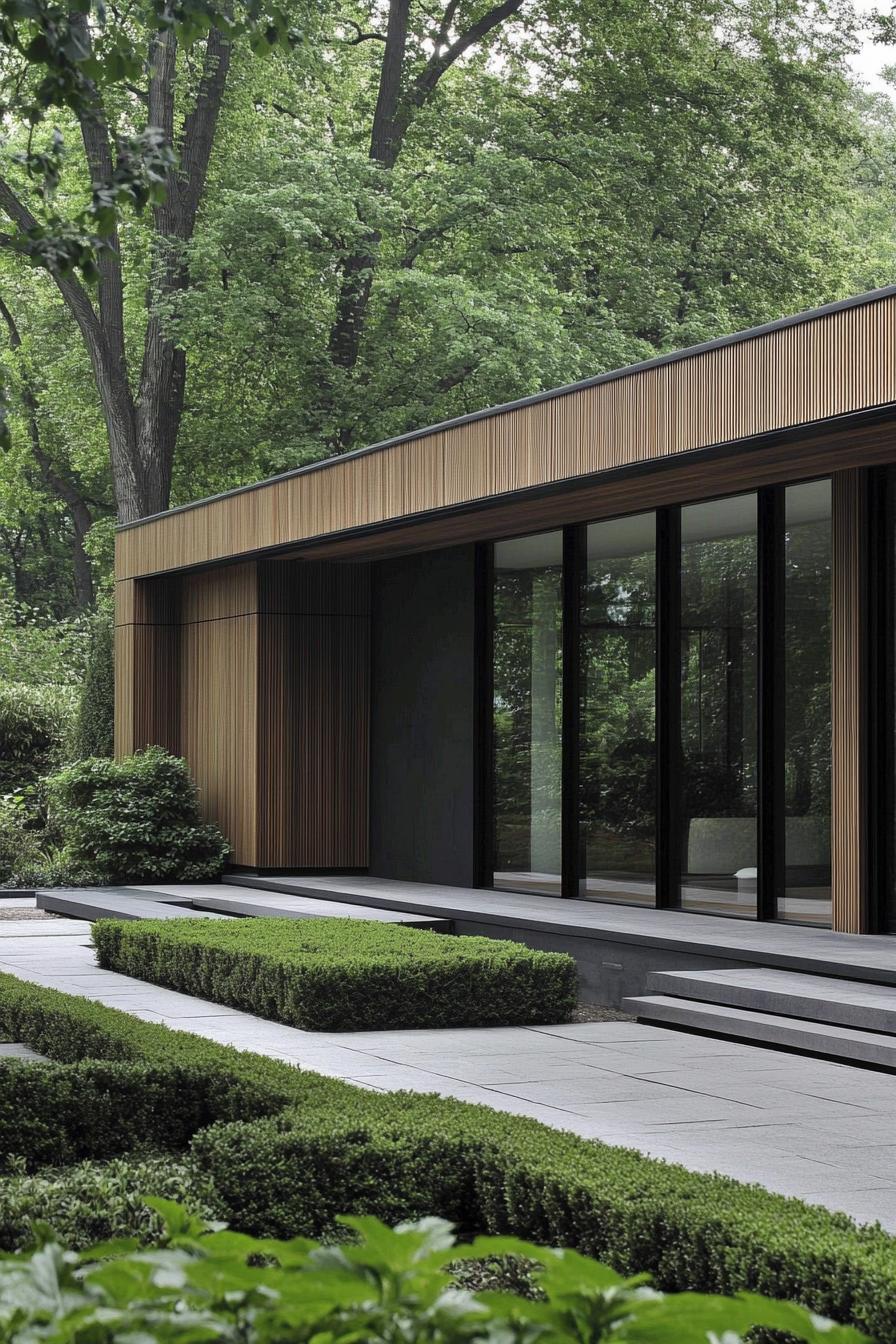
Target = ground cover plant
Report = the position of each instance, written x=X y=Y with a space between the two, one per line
x=388 y=1285
x=334 y=1148
x=344 y=974
x=100 y=1201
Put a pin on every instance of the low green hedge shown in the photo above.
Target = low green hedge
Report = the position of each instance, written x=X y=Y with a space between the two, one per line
x=56 y=1114
x=96 y=1201
x=344 y=974
x=337 y=1146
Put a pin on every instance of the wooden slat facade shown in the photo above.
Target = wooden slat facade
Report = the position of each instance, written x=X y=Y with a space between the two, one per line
x=258 y=674
x=849 y=690
x=828 y=365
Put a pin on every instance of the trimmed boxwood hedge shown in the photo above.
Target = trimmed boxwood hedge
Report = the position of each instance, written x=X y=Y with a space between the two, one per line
x=57 y=1114
x=339 y=1147
x=344 y=974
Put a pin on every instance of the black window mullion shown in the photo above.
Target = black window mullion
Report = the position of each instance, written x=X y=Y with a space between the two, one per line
x=484 y=765
x=668 y=707
x=770 y=773
x=574 y=561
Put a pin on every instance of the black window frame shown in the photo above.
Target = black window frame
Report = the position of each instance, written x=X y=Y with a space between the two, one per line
x=770 y=772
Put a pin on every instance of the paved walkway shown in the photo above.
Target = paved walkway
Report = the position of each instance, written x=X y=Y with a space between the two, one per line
x=800 y=1126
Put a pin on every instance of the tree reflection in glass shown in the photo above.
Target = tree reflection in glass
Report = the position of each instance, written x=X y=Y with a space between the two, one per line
x=528 y=623
x=618 y=716
x=719 y=652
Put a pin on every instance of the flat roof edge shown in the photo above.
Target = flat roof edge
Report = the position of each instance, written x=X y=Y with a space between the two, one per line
x=674 y=357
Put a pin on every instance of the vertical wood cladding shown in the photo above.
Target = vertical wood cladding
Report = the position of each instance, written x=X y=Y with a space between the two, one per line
x=849 y=690
x=218 y=723
x=259 y=676
x=826 y=365
x=146 y=677
x=314 y=660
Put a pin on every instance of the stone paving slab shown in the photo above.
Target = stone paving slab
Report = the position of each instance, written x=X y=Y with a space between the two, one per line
x=818 y=1130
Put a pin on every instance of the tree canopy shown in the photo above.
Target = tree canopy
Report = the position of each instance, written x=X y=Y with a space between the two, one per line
x=407 y=211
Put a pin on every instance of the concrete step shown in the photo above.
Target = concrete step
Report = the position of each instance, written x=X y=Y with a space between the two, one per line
x=845 y=1003
x=114 y=903
x=215 y=901
x=307 y=907
x=847 y=1044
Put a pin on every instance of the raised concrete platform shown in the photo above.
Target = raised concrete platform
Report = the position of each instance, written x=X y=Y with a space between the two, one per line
x=115 y=903
x=616 y=947
x=214 y=901
x=263 y=905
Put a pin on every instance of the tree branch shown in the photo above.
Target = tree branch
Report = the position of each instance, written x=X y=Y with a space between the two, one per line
x=360 y=35
x=440 y=61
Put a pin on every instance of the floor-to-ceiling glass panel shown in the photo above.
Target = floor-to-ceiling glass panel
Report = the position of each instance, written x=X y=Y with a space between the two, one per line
x=528 y=603
x=719 y=660
x=618 y=715
x=807 y=704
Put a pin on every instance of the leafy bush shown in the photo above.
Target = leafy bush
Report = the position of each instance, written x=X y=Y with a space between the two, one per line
x=35 y=728
x=21 y=854
x=94 y=725
x=392 y=1285
x=135 y=820
x=398 y=1154
x=96 y=1201
x=39 y=649
x=344 y=974
x=55 y=1114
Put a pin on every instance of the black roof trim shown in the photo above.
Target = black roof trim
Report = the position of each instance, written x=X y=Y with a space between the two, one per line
x=676 y=356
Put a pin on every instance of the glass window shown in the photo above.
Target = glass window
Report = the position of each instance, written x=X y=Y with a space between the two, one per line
x=807 y=704
x=528 y=599
x=618 y=716
x=719 y=651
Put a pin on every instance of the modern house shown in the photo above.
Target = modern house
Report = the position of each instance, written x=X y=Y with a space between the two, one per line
x=629 y=641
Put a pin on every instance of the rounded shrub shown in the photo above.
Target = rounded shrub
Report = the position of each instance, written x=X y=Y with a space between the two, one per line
x=135 y=820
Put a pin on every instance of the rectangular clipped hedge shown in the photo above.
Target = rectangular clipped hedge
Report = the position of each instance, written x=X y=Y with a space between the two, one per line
x=54 y=1114
x=344 y=974
x=337 y=1148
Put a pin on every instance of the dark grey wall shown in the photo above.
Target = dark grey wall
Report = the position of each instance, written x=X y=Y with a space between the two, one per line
x=422 y=761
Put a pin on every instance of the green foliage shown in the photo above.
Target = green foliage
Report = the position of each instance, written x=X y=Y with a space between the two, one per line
x=344 y=974
x=389 y=1286
x=96 y=1201
x=62 y=68
x=339 y=1148
x=135 y=820
x=36 y=647
x=35 y=727
x=53 y=1114
x=95 y=724
x=26 y=860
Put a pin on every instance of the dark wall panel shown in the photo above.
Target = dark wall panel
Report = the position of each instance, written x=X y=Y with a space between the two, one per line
x=422 y=757
x=314 y=670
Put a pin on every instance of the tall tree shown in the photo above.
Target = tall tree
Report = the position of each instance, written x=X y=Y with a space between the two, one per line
x=68 y=59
